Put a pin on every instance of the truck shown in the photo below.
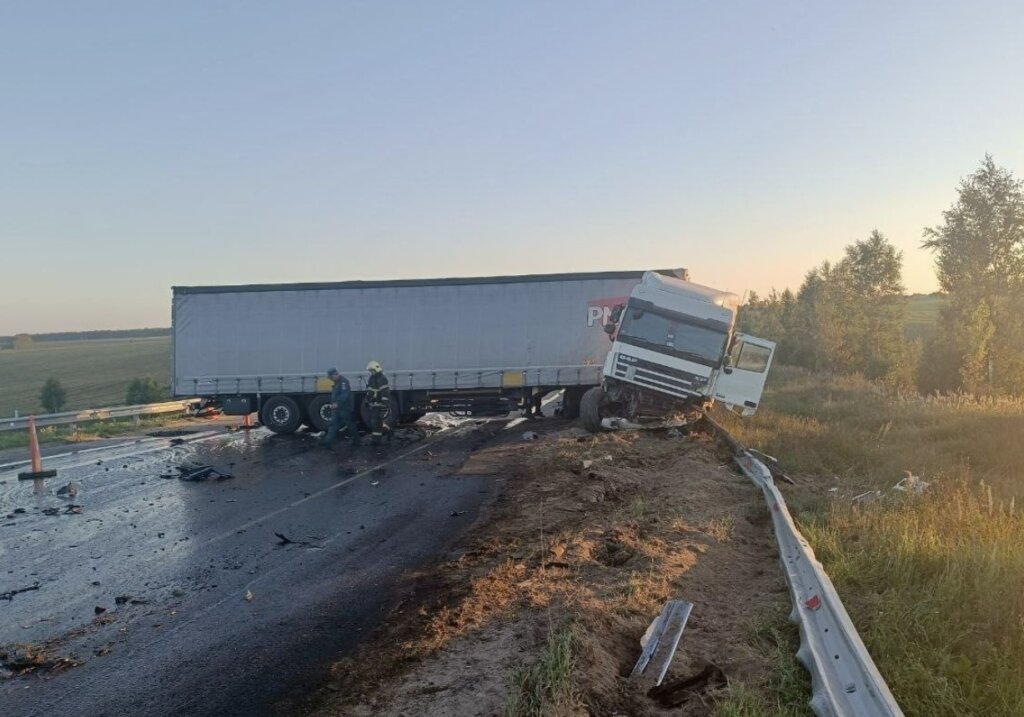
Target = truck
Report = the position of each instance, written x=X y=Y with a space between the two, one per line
x=467 y=346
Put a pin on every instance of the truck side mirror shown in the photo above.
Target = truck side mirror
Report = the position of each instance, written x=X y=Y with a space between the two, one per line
x=609 y=329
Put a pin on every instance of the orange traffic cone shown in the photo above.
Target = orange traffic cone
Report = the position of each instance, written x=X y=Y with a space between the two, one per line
x=37 y=460
x=247 y=423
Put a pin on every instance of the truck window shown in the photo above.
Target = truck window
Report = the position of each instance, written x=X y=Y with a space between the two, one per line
x=753 y=358
x=655 y=331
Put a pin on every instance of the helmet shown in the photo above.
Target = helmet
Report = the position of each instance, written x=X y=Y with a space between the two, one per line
x=374 y=367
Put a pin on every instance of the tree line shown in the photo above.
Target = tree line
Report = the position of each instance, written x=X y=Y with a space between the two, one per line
x=849 y=316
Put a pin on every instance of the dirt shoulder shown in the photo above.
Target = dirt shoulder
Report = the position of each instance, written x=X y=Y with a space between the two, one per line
x=545 y=606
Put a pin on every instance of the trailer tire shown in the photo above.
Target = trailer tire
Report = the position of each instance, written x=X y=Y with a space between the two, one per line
x=319 y=411
x=281 y=414
x=391 y=419
x=590 y=409
x=571 y=402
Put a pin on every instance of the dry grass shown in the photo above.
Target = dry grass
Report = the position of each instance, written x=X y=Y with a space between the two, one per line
x=543 y=615
x=934 y=583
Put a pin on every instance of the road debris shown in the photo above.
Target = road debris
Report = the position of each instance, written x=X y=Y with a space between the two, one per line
x=24 y=658
x=50 y=511
x=123 y=599
x=678 y=692
x=660 y=641
x=198 y=473
x=248 y=596
x=99 y=610
x=531 y=436
x=11 y=593
x=73 y=509
x=911 y=484
x=70 y=490
x=457 y=513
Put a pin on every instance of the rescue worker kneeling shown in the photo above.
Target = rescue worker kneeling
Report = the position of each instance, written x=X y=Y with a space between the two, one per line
x=342 y=406
x=378 y=401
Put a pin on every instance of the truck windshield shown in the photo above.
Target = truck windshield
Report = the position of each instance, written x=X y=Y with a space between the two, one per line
x=674 y=335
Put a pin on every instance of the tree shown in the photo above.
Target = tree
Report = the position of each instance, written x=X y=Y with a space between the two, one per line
x=53 y=397
x=979 y=258
x=22 y=341
x=145 y=390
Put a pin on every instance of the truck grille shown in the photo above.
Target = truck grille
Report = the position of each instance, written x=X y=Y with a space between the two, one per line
x=662 y=378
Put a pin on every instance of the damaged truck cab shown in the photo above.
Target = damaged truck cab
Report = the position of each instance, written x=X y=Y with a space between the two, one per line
x=675 y=349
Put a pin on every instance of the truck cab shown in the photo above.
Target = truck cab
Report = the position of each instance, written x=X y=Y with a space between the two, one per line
x=674 y=347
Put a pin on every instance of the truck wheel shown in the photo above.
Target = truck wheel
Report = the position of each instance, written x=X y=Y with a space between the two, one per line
x=571 y=402
x=590 y=409
x=391 y=419
x=281 y=414
x=319 y=411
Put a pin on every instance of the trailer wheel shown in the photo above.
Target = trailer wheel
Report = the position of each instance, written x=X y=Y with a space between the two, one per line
x=319 y=411
x=391 y=419
x=590 y=409
x=571 y=402
x=281 y=414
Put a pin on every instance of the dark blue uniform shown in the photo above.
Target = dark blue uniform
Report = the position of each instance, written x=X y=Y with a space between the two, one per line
x=341 y=415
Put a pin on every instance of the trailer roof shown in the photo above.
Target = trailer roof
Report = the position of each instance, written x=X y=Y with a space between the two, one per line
x=453 y=281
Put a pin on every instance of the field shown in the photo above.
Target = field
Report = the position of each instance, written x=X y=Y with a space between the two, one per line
x=95 y=373
x=934 y=581
x=922 y=315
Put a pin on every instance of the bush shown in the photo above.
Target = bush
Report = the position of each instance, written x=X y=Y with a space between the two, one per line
x=145 y=390
x=53 y=397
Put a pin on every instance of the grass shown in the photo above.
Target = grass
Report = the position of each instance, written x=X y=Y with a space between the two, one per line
x=935 y=582
x=87 y=431
x=789 y=688
x=922 y=315
x=536 y=689
x=95 y=373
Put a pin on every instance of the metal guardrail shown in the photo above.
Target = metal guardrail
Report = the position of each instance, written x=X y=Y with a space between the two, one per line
x=99 y=414
x=844 y=679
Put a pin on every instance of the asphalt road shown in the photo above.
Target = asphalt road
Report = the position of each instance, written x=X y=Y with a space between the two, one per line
x=185 y=555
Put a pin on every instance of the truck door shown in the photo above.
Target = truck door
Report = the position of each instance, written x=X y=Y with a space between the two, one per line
x=740 y=382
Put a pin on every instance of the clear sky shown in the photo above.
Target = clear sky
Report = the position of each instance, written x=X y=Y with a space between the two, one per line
x=145 y=144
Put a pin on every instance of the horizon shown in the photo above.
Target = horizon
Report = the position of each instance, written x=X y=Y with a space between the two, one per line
x=195 y=145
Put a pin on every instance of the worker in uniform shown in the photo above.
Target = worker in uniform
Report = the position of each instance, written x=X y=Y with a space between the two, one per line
x=342 y=406
x=378 y=400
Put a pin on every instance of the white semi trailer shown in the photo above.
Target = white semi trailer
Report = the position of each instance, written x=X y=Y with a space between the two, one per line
x=465 y=345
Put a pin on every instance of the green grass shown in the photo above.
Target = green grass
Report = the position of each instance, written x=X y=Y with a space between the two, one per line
x=934 y=583
x=537 y=688
x=922 y=315
x=789 y=687
x=87 y=431
x=94 y=373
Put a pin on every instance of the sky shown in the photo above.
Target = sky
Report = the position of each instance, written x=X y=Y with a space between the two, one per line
x=145 y=145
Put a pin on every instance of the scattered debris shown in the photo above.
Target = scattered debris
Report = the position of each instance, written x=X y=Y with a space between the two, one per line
x=911 y=484
x=197 y=473
x=24 y=658
x=11 y=593
x=51 y=511
x=102 y=650
x=660 y=641
x=376 y=482
x=70 y=490
x=867 y=497
x=99 y=610
x=122 y=599
x=248 y=596
x=73 y=509
x=19 y=510
x=678 y=692
x=619 y=424
x=457 y=513
x=673 y=433
x=531 y=436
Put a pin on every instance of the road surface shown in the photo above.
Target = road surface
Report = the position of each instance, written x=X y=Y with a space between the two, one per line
x=147 y=587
